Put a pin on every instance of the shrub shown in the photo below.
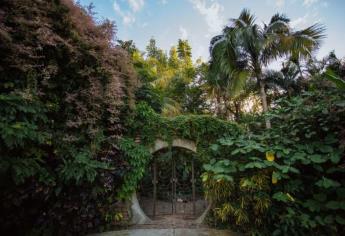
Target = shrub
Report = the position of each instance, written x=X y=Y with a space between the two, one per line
x=288 y=180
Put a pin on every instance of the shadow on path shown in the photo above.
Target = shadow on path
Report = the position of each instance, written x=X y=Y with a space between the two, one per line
x=171 y=225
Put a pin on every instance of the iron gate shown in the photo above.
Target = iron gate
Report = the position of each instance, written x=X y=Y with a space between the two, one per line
x=172 y=187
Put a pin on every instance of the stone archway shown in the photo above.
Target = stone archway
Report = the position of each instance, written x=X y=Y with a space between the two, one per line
x=183 y=143
x=138 y=215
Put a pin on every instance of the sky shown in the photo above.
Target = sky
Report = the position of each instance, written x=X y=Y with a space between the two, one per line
x=200 y=20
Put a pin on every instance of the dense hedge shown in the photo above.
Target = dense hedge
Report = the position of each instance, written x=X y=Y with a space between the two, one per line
x=63 y=87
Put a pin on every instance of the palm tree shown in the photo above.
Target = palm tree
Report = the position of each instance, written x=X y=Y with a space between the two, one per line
x=245 y=41
x=225 y=78
x=303 y=43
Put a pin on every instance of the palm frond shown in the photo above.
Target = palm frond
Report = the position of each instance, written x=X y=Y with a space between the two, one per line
x=278 y=26
x=215 y=41
x=238 y=83
x=279 y=17
x=308 y=39
x=247 y=17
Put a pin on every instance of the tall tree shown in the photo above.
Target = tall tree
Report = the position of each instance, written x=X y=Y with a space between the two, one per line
x=152 y=49
x=173 y=58
x=258 y=45
x=184 y=51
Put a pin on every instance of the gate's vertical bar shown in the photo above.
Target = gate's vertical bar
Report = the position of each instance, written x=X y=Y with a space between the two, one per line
x=154 y=186
x=172 y=180
x=174 y=191
x=193 y=186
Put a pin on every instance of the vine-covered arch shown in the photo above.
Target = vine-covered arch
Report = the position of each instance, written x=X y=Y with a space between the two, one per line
x=149 y=132
x=149 y=126
x=138 y=215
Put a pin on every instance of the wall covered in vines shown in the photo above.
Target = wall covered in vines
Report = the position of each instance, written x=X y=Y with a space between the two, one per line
x=63 y=89
x=149 y=126
x=144 y=126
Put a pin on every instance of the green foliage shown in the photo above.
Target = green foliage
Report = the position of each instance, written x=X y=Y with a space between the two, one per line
x=285 y=180
x=245 y=48
x=168 y=82
x=20 y=121
x=149 y=126
x=327 y=183
x=146 y=124
x=138 y=158
x=61 y=104
x=331 y=76
x=81 y=168
x=66 y=95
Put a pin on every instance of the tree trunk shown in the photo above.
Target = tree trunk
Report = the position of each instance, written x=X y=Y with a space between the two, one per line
x=227 y=107
x=219 y=109
x=297 y=62
x=264 y=102
x=237 y=110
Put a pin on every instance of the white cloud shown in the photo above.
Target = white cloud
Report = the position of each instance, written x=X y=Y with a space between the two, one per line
x=280 y=3
x=300 y=21
x=308 y=3
x=212 y=14
x=136 y=5
x=127 y=17
x=163 y=2
x=184 y=33
x=311 y=17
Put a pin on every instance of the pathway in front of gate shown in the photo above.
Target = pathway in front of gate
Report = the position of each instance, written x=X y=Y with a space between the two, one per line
x=170 y=225
x=168 y=232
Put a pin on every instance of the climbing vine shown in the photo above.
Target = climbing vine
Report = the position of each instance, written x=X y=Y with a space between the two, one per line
x=137 y=157
x=146 y=126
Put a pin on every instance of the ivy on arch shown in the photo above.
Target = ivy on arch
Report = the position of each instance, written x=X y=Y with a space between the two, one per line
x=146 y=125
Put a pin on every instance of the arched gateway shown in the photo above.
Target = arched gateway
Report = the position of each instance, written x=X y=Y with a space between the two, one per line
x=173 y=186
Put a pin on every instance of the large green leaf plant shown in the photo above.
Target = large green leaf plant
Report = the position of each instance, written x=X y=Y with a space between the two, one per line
x=288 y=180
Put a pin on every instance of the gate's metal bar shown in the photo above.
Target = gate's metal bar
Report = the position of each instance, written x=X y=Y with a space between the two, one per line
x=169 y=183
x=154 y=186
x=175 y=186
x=193 y=187
x=173 y=177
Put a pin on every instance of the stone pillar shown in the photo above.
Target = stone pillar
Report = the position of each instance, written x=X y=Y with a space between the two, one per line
x=138 y=215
